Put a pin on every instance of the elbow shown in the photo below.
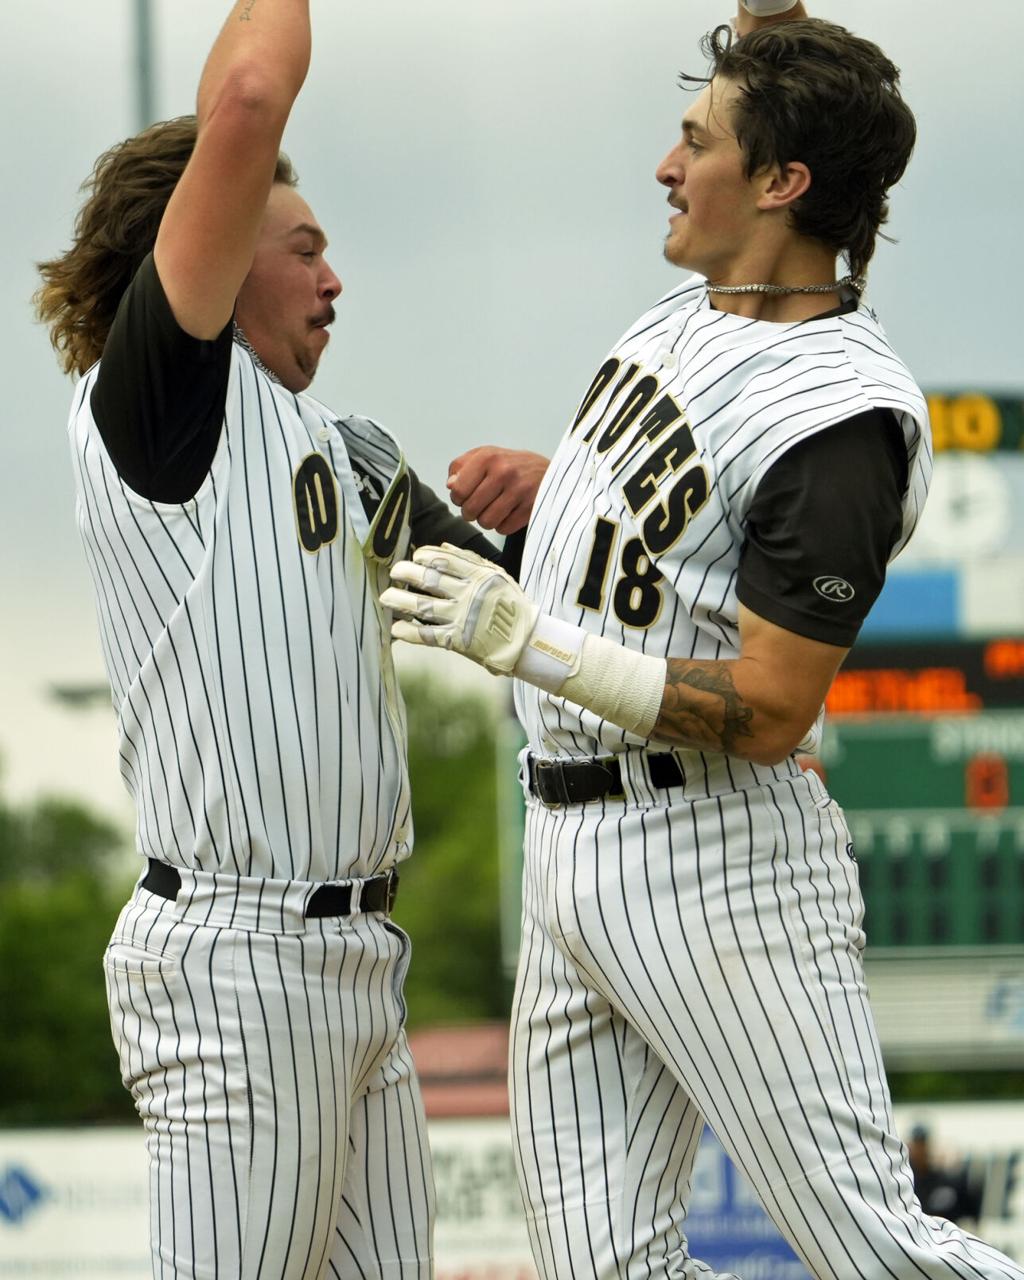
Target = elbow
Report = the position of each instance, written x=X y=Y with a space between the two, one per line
x=248 y=99
x=769 y=753
x=774 y=742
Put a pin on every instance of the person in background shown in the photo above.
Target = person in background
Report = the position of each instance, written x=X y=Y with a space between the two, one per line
x=944 y=1193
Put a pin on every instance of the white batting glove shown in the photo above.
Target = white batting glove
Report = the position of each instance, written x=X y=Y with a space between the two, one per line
x=460 y=601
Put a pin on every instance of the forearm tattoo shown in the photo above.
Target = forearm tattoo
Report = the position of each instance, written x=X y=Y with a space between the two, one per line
x=246 y=14
x=702 y=708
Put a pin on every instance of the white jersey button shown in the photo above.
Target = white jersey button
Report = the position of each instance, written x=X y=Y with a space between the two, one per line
x=669 y=360
x=324 y=433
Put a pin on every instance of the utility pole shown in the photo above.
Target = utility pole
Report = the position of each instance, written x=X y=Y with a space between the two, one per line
x=144 y=98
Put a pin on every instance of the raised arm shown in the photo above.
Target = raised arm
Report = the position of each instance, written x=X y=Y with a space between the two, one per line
x=207 y=238
x=762 y=13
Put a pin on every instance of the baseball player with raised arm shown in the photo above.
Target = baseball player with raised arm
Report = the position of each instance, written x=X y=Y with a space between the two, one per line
x=709 y=536
x=239 y=534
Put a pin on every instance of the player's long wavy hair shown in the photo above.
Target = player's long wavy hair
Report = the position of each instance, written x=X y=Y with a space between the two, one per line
x=810 y=91
x=116 y=227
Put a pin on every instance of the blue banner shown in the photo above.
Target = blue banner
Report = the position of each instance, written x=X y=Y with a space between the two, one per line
x=726 y=1226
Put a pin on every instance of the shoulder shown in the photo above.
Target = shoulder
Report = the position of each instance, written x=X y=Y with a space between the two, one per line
x=369 y=444
x=770 y=387
x=882 y=370
x=690 y=291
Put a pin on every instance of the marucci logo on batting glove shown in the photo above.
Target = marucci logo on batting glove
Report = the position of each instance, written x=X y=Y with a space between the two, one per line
x=454 y=599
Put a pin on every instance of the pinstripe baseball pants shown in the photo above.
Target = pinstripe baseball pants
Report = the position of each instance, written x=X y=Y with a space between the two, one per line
x=267 y=1058
x=702 y=961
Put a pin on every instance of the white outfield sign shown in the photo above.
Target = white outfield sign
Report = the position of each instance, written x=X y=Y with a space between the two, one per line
x=73 y=1203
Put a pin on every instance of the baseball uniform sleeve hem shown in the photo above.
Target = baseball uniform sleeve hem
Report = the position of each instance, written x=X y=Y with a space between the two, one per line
x=811 y=626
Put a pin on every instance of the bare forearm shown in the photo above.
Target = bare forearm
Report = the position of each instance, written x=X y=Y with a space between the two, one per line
x=263 y=49
x=702 y=708
x=758 y=705
x=737 y=706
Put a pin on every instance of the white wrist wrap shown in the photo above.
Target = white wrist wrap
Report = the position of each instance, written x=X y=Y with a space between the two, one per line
x=767 y=8
x=619 y=685
x=552 y=653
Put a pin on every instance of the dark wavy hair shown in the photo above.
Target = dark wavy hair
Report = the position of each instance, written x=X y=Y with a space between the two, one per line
x=116 y=227
x=810 y=91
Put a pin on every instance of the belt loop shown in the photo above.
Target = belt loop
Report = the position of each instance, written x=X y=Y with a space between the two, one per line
x=553 y=772
x=392 y=874
x=357 y=893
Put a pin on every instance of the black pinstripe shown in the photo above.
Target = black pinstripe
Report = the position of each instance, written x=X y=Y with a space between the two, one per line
x=749 y=391
x=246 y=671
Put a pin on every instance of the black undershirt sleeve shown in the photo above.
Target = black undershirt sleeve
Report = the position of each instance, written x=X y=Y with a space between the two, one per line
x=159 y=396
x=820 y=529
x=432 y=522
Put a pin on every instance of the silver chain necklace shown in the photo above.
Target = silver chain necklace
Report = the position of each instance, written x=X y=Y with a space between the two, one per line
x=775 y=290
x=246 y=345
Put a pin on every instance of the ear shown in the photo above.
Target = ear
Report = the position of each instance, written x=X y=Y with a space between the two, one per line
x=781 y=185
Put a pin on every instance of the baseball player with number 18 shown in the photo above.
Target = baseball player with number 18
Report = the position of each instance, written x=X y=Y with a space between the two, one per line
x=708 y=538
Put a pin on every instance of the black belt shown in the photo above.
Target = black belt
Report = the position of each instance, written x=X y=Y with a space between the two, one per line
x=378 y=894
x=556 y=782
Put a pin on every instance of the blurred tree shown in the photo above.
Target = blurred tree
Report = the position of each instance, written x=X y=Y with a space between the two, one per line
x=63 y=881
x=59 y=897
x=449 y=895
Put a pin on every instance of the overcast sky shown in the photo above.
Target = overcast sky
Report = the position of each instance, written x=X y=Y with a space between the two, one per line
x=484 y=170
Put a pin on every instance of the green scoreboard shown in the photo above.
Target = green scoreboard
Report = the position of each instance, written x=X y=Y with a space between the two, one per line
x=935 y=805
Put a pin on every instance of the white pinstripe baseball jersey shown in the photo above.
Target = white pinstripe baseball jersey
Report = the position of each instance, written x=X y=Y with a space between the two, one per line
x=692 y=947
x=261 y=726
x=638 y=526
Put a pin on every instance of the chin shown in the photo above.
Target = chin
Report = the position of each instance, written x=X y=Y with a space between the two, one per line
x=297 y=380
x=303 y=374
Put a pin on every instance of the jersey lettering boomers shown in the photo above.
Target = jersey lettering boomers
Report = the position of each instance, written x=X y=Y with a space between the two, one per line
x=261 y=726
x=652 y=483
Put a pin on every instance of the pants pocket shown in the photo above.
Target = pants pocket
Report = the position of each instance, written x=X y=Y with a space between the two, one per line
x=140 y=980
x=401 y=968
x=137 y=960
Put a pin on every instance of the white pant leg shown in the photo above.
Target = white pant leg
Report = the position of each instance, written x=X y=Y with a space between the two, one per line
x=244 y=1051
x=604 y=1136
x=728 y=932
x=385 y=1222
